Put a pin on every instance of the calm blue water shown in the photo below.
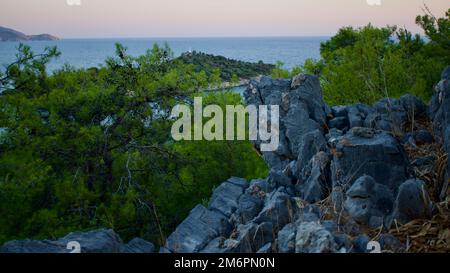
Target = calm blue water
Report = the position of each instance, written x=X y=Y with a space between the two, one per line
x=84 y=53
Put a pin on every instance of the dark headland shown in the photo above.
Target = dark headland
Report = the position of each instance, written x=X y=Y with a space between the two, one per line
x=11 y=35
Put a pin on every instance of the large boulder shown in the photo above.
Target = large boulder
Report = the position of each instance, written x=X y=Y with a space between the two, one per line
x=388 y=115
x=311 y=143
x=248 y=208
x=302 y=111
x=251 y=202
x=366 y=151
x=197 y=230
x=340 y=123
x=357 y=114
x=286 y=239
x=314 y=182
x=278 y=209
x=412 y=202
x=393 y=115
x=311 y=237
x=250 y=238
x=368 y=201
x=225 y=197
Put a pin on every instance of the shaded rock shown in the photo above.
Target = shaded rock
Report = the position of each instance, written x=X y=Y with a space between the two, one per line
x=357 y=114
x=215 y=246
x=440 y=114
x=315 y=182
x=197 y=230
x=333 y=135
x=376 y=222
x=286 y=239
x=97 y=241
x=351 y=228
x=138 y=245
x=339 y=111
x=278 y=179
x=446 y=73
x=311 y=237
x=302 y=111
x=249 y=207
x=263 y=235
x=389 y=242
x=367 y=199
x=297 y=81
x=365 y=151
x=412 y=202
x=340 y=123
x=343 y=242
x=276 y=160
x=422 y=137
x=413 y=106
x=360 y=244
x=225 y=197
x=388 y=115
x=244 y=241
x=278 y=210
x=238 y=182
x=440 y=106
x=33 y=246
x=298 y=123
x=330 y=225
x=259 y=186
x=308 y=213
x=312 y=143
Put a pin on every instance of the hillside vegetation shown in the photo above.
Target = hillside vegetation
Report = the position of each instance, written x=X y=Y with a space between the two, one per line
x=230 y=70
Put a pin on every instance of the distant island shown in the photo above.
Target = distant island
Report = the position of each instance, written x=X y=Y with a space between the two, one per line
x=228 y=67
x=11 y=35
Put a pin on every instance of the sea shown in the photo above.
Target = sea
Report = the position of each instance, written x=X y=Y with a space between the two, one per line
x=86 y=53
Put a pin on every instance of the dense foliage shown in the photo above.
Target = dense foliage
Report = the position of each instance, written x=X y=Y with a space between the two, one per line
x=365 y=64
x=83 y=149
x=230 y=70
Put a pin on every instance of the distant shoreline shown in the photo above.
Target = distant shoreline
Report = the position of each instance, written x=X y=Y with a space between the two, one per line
x=8 y=34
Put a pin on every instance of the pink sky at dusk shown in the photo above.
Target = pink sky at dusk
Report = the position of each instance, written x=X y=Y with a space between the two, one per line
x=206 y=18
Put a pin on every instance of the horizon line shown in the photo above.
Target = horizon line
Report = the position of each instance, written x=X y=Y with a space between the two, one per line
x=196 y=37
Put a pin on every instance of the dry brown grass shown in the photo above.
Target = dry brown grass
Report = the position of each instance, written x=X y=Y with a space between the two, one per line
x=433 y=235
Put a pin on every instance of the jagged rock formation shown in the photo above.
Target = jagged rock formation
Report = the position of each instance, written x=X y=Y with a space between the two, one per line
x=97 y=241
x=337 y=173
x=440 y=113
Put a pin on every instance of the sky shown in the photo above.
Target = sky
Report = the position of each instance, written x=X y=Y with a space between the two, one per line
x=207 y=18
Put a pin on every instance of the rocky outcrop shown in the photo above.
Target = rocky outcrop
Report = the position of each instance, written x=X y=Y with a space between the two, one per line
x=302 y=117
x=338 y=172
x=440 y=113
x=97 y=241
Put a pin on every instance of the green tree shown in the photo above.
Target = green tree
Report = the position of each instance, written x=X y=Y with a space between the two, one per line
x=89 y=148
x=365 y=64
